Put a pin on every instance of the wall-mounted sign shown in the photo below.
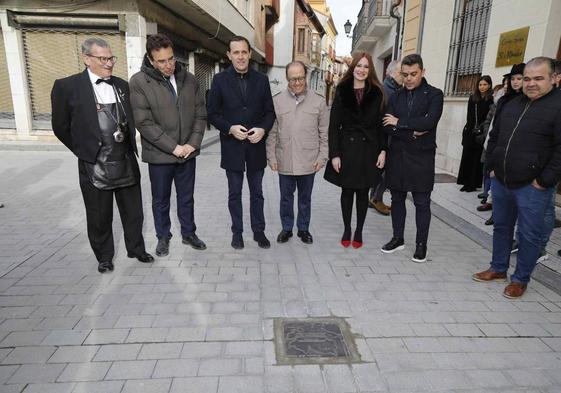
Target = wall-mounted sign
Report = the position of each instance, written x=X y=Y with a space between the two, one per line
x=512 y=47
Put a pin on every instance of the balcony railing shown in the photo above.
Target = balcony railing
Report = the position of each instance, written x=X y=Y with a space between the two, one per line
x=372 y=13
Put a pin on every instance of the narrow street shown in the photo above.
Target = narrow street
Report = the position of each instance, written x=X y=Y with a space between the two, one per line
x=202 y=321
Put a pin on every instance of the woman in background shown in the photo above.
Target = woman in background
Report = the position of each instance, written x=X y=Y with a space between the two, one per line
x=471 y=168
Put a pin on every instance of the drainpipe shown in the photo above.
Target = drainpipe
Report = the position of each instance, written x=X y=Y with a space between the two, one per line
x=398 y=18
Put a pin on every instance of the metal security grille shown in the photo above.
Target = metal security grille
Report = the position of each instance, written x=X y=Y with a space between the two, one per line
x=204 y=71
x=51 y=55
x=467 y=45
x=6 y=104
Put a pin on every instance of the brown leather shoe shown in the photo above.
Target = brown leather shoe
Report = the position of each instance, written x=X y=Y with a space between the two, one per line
x=489 y=275
x=380 y=207
x=484 y=207
x=514 y=290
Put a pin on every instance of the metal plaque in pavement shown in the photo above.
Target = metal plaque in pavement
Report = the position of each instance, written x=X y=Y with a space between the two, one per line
x=314 y=341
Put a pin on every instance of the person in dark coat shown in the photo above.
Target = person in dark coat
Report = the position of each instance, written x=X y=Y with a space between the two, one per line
x=470 y=174
x=411 y=119
x=170 y=116
x=240 y=106
x=357 y=143
x=392 y=83
x=92 y=117
x=524 y=156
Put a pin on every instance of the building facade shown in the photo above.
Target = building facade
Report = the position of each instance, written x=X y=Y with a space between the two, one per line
x=42 y=43
x=459 y=40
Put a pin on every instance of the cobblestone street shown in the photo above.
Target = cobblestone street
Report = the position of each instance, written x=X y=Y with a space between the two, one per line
x=202 y=321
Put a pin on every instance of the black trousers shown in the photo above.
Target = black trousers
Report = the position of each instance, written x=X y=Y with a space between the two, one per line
x=161 y=178
x=99 y=217
x=422 y=214
x=256 y=200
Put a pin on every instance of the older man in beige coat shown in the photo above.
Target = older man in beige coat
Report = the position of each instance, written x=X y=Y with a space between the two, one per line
x=297 y=148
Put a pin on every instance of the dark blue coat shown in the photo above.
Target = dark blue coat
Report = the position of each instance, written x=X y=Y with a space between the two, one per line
x=410 y=160
x=227 y=107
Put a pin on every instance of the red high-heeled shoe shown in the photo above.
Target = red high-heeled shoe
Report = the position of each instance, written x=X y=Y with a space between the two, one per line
x=357 y=244
x=345 y=243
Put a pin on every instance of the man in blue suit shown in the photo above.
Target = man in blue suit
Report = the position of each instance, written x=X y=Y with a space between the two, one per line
x=241 y=107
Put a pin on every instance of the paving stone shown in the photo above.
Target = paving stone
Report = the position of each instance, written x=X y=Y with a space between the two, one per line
x=37 y=373
x=23 y=355
x=83 y=372
x=97 y=387
x=160 y=351
x=135 y=369
x=201 y=350
x=47 y=388
x=218 y=367
x=176 y=368
x=114 y=352
x=147 y=386
x=240 y=384
x=195 y=385
x=308 y=378
x=74 y=354
x=66 y=337
x=107 y=336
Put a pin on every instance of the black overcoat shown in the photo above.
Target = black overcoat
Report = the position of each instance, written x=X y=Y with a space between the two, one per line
x=355 y=136
x=227 y=107
x=410 y=159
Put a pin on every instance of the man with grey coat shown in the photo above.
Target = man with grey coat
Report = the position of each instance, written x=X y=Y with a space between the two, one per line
x=297 y=148
x=170 y=115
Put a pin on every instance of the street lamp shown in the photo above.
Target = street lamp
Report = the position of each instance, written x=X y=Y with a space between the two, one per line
x=347 y=27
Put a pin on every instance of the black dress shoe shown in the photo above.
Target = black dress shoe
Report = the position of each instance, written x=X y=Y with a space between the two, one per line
x=261 y=240
x=162 y=249
x=306 y=237
x=237 y=241
x=489 y=221
x=284 y=236
x=144 y=257
x=105 y=266
x=194 y=241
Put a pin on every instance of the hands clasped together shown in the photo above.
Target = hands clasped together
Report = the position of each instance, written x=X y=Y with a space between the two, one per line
x=253 y=135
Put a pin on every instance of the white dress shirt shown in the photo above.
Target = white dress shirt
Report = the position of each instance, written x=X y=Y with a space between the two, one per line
x=104 y=92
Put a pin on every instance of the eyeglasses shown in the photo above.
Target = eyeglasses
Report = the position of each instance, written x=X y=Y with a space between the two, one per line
x=171 y=60
x=299 y=79
x=105 y=60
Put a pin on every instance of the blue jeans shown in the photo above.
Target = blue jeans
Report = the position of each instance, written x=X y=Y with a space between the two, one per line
x=549 y=219
x=529 y=206
x=288 y=185
x=161 y=177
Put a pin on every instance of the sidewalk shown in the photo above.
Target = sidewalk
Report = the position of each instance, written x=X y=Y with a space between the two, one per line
x=203 y=321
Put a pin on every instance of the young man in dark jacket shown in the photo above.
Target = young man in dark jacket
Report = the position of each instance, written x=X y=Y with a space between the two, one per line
x=524 y=156
x=240 y=105
x=170 y=115
x=411 y=119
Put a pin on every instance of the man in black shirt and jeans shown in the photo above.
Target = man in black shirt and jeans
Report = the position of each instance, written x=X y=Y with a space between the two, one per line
x=524 y=156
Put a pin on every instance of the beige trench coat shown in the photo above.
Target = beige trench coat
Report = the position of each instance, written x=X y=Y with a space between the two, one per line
x=298 y=138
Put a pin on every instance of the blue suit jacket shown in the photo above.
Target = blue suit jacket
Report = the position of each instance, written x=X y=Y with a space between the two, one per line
x=227 y=107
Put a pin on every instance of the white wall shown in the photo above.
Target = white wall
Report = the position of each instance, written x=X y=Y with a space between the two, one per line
x=283 y=39
x=541 y=15
x=435 y=47
x=507 y=15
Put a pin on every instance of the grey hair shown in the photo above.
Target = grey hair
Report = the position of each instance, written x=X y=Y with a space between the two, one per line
x=392 y=66
x=538 y=61
x=87 y=45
